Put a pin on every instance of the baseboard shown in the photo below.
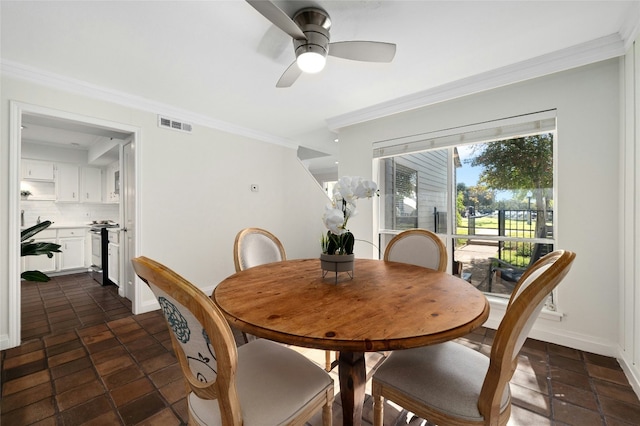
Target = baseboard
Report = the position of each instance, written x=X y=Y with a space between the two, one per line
x=632 y=373
x=584 y=343
x=553 y=334
x=4 y=342
x=208 y=290
x=152 y=304
x=148 y=306
x=578 y=341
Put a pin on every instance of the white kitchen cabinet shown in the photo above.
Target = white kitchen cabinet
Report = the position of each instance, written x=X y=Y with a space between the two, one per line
x=91 y=185
x=113 y=250
x=113 y=182
x=41 y=263
x=72 y=256
x=114 y=264
x=72 y=243
x=67 y=180
x=37 y=170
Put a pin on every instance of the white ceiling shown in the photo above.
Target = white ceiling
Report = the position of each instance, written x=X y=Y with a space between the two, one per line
x=217 y=62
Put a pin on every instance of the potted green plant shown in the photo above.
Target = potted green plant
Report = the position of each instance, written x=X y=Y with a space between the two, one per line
x=28 y=247
x=337 y=245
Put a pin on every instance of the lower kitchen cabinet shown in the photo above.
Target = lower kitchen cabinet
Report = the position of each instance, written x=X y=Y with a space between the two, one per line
x=72 y=244
x=72 y=256
x=113 y=249
x=41 y=263
x=114 y=267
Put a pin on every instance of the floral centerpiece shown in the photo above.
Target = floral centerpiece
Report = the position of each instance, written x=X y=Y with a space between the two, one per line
x=342 y=208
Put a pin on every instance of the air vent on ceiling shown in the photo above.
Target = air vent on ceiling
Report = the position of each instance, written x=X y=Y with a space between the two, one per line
x=172 y=124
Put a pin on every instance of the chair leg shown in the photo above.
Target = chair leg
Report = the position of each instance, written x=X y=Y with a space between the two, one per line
x=378 y=410
x=327 y=410
x=327 y=360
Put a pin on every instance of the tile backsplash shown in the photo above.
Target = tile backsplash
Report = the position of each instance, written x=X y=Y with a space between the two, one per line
x=67 y=213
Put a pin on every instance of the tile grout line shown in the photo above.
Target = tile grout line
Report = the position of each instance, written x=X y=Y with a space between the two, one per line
x=104 y=386
x=147 y=375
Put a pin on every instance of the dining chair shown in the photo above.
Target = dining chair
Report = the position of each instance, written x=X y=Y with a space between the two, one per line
x=256 y=246
x=452 y=384
x=253 y=247
x=417 y=247
x=259 y=383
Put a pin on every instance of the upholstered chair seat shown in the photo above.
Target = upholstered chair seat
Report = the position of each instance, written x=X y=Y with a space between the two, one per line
x=450 y=378
x=265 y=399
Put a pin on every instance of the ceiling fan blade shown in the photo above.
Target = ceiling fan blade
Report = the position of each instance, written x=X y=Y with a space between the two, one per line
x=368 y=51
x=289 y=76
x=278 y=18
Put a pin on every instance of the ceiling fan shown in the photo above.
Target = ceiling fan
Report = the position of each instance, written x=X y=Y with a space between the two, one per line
x=309 y=29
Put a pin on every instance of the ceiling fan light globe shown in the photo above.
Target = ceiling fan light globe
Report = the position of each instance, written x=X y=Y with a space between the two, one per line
x=311 y=62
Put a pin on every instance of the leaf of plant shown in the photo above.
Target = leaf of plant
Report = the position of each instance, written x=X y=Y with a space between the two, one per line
x=39 y=248
x=36 y=276
x=30 y=232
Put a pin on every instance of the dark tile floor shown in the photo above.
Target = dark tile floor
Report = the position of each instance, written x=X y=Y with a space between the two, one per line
x=86 y=360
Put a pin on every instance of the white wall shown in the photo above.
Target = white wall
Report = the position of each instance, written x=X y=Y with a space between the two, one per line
x=588 y=110
x=194 y=191
x=197 y=197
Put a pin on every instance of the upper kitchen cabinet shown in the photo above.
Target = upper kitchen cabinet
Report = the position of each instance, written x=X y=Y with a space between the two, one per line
x=67 y=182
x=113 y=182
x=37 y=170
x=91 y=185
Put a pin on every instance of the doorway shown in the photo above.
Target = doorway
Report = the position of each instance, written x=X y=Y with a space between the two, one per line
x=59 y=121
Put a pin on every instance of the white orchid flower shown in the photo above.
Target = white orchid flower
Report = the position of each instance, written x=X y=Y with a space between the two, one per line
x=344 y=190
x=334 y=220
x=354 y=182
x=351 y=212
x=366 y=189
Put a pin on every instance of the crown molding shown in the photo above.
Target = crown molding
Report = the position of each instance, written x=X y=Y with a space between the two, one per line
x=55 y=81
x=600 y=49
x=583 y=54
x=630 y=29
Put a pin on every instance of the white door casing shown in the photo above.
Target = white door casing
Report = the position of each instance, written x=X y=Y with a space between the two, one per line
x=16 y=111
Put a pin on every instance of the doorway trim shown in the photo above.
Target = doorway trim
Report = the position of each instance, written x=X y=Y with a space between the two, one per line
x=16 y=111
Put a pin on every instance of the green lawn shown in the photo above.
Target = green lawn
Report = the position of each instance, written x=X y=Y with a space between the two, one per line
x=515 y=228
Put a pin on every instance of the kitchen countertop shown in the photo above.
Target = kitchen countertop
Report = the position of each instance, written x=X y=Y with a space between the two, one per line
x=61 y=225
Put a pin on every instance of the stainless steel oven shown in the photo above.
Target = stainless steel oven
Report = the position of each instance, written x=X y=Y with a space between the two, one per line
x=99 y=254
x=97 y=272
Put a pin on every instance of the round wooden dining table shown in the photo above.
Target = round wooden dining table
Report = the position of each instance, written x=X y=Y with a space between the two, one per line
x=384 y=306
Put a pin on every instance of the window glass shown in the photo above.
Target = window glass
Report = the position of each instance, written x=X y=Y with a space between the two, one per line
x=501 y=193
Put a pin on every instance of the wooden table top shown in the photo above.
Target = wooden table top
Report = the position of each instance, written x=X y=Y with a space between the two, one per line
x=386 y=306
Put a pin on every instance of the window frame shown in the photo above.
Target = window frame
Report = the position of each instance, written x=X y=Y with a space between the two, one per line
x=450 y=139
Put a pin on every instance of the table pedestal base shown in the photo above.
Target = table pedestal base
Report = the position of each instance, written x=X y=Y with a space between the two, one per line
x=353 y=378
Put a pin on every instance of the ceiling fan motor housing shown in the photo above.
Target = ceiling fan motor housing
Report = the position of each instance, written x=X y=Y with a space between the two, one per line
x=315 y=24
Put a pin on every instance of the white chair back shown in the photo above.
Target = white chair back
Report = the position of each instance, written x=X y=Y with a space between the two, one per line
x=255 y=246
x=418 y=247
